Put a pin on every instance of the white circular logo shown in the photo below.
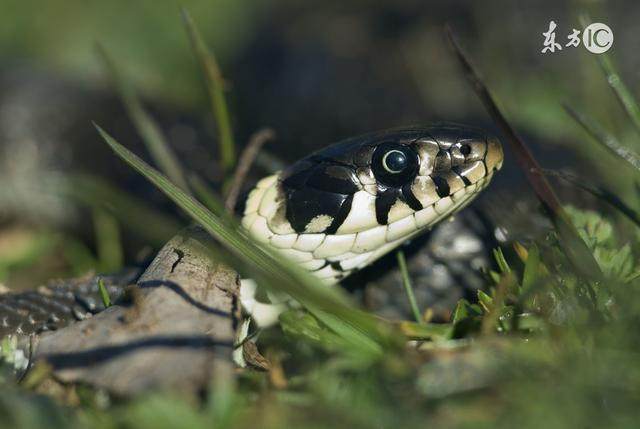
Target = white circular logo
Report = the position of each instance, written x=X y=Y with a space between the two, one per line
x=597 y=38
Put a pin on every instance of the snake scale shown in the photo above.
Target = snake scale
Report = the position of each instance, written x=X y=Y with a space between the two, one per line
x=333 y=212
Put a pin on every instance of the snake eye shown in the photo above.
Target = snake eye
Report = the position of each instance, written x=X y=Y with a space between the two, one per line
x=465 y=149
x=394 y=164
x=394 y=161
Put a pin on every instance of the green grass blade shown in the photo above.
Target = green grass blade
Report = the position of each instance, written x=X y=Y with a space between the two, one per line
x=104 y=294
x=207 y=195
x=78 y=256
x=108 y=244
x=408 y=287
x=138 y=217
x=215 y=87
x=602 y=136
x=531 y=274
x=498 y=255
x=279 y=275
x=152 y=136
x=426 y=331
x=625 y=97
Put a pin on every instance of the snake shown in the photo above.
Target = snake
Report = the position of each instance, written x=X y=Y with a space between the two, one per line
x=333 y=212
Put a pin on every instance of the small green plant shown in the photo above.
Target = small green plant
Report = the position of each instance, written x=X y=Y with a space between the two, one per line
x=408 y=288
x=104 y=294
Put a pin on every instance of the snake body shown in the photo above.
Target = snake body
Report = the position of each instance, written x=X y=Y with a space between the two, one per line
x=333 y=212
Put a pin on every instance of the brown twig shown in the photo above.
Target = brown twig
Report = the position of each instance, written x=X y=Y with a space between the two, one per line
x=572 y=244
x=257 y=140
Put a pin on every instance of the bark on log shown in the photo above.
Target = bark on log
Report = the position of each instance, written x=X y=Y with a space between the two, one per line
x=174 y=329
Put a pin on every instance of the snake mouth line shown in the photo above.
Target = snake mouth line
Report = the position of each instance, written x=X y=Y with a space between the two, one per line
x=332 y=257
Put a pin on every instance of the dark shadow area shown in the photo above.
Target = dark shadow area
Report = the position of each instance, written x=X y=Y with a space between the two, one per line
x=179 y=290
x=101 y=354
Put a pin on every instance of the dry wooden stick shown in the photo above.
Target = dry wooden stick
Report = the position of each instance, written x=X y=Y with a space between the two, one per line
x=178 y=333
x=574 y=247
x=257 y=140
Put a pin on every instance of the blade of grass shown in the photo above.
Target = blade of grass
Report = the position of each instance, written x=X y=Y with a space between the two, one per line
x=249 y=154
x=426 y=331
x=408 y=287
x=152 y=136
x=498 y=255
x=365 y=332
x=531 y=269
x=608 y=197
x=491 y=320
x=79 y=257
x=104 y=294
x=204 y=193
x=140 y=218
x=27 y=248
x=622 y=92
x=108 y=244
x=600 y=135
x=215 y=87
x=628 y=101
x=581 y=258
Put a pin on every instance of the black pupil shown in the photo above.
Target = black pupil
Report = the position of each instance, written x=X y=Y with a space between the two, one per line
x=395 y=161
x=465 y=149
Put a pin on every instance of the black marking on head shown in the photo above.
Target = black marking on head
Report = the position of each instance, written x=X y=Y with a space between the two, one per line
x=324 y=265
x=464 y=178
x=296 y=175
x=442 y=186
x=302 y=205
x=362 y=157
x=314 y=187
x=408 y=197
x=484 y=164
x=241 y=204
x=342 y=214
x=384 y=201
x=336 y=265
x=333 y=178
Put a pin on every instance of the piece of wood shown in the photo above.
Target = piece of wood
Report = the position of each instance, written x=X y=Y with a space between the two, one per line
x=174 y=329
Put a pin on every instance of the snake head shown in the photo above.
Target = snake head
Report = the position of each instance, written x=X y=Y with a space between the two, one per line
x=352 y=202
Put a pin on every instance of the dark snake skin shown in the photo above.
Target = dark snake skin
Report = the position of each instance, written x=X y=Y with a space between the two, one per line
x=59 y=303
